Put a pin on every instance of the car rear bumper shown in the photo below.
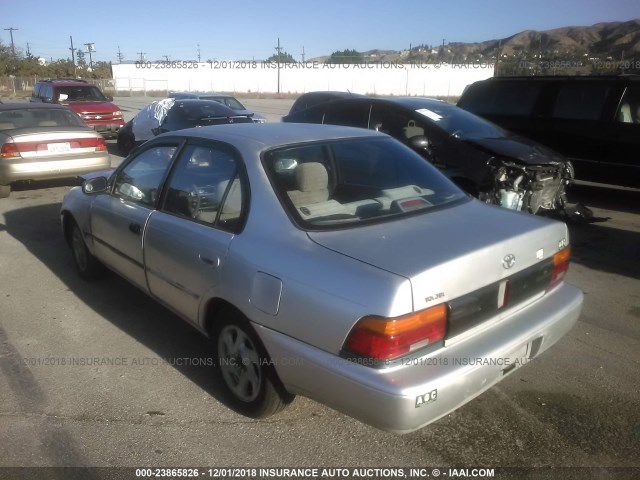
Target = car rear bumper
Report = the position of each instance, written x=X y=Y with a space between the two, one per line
x=12 y=170
x=403 y=398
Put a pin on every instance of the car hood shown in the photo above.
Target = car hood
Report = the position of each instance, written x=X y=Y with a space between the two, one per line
x=518 y=148
x=450 y=252
x=95 y=107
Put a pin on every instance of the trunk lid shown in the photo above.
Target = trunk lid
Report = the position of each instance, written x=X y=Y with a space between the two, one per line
x=452 y=252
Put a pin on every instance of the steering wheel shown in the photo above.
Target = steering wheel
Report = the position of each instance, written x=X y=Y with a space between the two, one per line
x=195 y=200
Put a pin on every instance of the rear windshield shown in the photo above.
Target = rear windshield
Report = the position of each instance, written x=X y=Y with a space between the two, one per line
x=345 y=182
x=39 y=117
x=230 y=102
x=197 y=111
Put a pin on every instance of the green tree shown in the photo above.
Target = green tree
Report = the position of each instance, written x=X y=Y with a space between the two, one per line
x=283 y=57
x=346 y=56
x=80 y=60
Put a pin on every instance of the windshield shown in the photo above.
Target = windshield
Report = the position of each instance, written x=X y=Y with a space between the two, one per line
x=80 y=93
x=39 y=117
x=460 y=123
x=345 y=182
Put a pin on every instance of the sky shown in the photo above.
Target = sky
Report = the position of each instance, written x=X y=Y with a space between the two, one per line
x=249 y=29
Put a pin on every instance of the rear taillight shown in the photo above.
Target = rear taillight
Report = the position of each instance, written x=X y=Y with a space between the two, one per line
x=560 y=267
x=383 y=338
x=101 y=146
x=15 y=149
x=9 y=150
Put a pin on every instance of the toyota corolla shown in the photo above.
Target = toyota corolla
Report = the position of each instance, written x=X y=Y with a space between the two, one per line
x=330 y=262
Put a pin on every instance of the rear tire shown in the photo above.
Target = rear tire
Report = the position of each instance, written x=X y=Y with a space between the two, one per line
x=250 y=384
x=88 y=266
x=5 y=191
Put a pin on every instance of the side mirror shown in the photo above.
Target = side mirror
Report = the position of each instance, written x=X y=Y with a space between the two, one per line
x=421 y=144
x=109 y=98
x=94 y=185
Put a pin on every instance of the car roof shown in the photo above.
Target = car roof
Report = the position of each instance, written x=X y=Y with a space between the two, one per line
x=31 y=106
x=269 y=135
x=195 y=95
x=566 y=78
x=71 y=82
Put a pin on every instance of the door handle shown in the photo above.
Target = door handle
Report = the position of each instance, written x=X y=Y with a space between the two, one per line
x=135 y=228
x=212 y=262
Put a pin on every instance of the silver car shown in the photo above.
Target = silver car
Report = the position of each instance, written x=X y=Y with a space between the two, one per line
x=42 y=141
x=329 y=262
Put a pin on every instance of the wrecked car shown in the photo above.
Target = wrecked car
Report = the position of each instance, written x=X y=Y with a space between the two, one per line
x=169 y=114
x=481 y=158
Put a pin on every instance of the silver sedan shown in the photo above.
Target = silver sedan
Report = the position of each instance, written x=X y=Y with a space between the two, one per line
x=329 y=262
x=43 y=141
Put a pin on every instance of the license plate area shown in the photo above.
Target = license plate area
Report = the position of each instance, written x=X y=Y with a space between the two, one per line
x=58 y=147
x=516 y=358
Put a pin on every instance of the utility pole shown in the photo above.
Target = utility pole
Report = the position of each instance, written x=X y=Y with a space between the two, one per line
x=90 y=49
x=73 y=57
x=141 y=55
x=279 y=51
x=303 y=54
x=495 y=68
x=13 y=48
x=166 y=57
x=120 y=55
x=198 y=53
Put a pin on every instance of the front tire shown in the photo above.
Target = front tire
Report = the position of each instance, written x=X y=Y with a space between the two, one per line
x=250 y=384
x=88 y=266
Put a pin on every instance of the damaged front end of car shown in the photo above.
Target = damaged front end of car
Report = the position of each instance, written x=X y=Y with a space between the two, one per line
x=536 y=189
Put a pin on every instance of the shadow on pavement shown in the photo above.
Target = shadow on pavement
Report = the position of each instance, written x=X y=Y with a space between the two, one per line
x=112 y=297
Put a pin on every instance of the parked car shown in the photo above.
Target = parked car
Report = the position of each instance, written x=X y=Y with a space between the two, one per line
x=311 y=99
x=228 y=100
x=481 y=158
x=594 y=120
x=41 y=142
x=330 y=262
x=84 y=98
x=169 y=114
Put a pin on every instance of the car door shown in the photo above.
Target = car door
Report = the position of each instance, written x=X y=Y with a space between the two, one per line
x=187 y=239
x=119 y=219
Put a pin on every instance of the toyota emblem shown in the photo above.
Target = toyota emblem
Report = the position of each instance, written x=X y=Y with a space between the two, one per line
x=509 y=261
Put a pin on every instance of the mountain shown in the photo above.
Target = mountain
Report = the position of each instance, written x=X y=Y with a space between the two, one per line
x=615 y=39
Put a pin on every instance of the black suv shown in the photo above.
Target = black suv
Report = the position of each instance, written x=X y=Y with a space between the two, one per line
x=481 y=158
x=594 y=121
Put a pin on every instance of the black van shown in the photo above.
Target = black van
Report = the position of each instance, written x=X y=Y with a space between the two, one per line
x=592 y=120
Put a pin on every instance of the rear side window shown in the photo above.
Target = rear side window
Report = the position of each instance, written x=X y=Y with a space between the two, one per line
x=349 y=114
x=501 y=98
x=580 y=102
